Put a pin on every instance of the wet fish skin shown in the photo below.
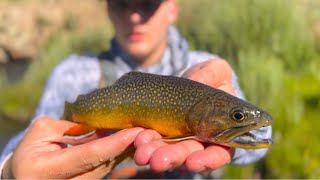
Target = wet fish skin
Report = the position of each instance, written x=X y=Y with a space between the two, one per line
x=175 y=107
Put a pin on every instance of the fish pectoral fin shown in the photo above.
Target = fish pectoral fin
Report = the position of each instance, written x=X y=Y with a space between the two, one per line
x=175 y=139
x=78 y=129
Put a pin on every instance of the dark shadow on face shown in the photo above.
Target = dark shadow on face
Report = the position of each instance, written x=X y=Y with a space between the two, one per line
x=145 y=8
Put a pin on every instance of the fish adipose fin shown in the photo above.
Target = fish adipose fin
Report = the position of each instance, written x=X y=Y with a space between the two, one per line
x=78 y=130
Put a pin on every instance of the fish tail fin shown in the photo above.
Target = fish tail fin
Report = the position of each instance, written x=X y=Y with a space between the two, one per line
x=67 y=114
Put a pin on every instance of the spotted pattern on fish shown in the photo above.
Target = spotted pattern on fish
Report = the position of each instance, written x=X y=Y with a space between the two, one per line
x=173 y=106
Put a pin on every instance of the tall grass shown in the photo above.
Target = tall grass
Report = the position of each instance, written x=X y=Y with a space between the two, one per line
x=271 y=47
x=229 y=27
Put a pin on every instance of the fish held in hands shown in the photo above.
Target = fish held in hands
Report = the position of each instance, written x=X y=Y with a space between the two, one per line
x=177 y=108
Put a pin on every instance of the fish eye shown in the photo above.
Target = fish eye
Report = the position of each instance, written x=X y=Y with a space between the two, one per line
x=238 y=115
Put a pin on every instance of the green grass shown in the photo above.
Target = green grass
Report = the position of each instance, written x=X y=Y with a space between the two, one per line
x=271 y=47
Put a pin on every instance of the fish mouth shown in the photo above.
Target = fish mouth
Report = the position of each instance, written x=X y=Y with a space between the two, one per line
x=240 y=137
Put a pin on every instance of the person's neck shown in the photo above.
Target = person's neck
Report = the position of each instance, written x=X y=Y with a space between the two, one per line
x=152 y=58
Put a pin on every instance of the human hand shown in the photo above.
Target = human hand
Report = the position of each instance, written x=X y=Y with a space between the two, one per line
x=194 y=155
x=42 y=153
x=216 y=73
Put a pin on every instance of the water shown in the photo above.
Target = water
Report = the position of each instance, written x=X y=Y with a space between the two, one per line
x=9 y=128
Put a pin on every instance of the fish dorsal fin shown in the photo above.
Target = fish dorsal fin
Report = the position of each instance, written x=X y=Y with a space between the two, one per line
x=175 y=139
x=130 y=76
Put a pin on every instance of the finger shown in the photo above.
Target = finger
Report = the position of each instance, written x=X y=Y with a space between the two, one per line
x=84 y=139
x=146 y=142
x=48 y=125
x=98 y=172
x=211 y=158
x=103 y=169
x=46 y=132
x=85 y=157
x=146 y=136
x=144 y=151
x=54 y=130
x=173 y=155
x=215 y=73
x=228 y=87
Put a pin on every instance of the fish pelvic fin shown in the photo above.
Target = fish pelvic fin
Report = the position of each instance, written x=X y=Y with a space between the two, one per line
x=176 y=139
x=78 y=129
x=67 y=114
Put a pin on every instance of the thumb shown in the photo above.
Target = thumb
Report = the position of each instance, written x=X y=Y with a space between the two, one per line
x=85 y=157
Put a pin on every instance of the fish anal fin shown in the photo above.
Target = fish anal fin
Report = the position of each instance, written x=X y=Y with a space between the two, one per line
x=176 y=139
x=78 y=129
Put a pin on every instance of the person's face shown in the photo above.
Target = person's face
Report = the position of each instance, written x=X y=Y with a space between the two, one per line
x=141 y=25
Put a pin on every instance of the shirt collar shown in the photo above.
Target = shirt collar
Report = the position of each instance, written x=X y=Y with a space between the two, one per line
x=172 y=61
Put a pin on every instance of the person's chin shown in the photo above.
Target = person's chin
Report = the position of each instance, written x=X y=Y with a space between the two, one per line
x=138 y=48
x=138 y=55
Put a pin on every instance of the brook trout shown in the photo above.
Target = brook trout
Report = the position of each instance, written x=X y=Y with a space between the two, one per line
x=177 y=108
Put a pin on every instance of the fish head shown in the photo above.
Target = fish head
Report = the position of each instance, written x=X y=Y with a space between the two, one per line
x=228 y=120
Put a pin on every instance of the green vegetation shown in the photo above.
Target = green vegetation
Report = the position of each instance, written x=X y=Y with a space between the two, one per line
x=273 y=49
x=18 y=101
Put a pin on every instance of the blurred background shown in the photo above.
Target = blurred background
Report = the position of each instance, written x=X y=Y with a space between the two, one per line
x=273 y=45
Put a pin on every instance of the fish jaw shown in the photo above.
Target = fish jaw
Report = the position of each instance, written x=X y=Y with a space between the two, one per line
x=240 y=137
x=249 y=141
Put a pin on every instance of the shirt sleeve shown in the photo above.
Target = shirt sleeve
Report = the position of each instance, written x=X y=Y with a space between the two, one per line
x=5 y=159
x=73 y=76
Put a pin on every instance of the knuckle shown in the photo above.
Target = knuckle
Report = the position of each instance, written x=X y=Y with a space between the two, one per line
x=41 y=122
x=86 y=165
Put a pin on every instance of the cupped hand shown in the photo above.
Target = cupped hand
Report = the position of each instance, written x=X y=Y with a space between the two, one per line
x=42 y=153
x=194 y=155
